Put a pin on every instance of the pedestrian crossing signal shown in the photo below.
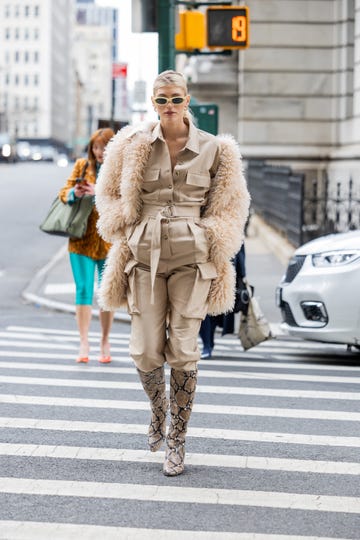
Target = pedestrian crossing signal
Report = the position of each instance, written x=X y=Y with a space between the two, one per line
x=227 y=27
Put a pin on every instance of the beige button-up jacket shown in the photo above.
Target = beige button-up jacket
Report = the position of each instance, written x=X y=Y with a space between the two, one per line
x=206 y=183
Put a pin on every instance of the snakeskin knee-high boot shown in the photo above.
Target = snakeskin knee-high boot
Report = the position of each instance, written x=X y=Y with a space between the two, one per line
x=154 y=385
x=182 y=392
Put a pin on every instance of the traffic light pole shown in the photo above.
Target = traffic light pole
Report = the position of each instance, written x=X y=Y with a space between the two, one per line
x=166 y=28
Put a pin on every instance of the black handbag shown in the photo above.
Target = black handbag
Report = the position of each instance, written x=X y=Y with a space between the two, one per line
x=242 y=296
x=69 y=220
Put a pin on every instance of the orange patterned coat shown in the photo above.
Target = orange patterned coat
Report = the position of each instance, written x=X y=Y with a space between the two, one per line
x=91 y=245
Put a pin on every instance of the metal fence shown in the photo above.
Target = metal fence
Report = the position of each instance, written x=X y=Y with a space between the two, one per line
x=303 y=206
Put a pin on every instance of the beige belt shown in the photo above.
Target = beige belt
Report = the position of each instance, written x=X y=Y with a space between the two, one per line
x=159 y=213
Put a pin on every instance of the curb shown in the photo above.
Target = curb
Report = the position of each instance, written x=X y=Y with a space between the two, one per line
x=278 y=245
x=30 y=296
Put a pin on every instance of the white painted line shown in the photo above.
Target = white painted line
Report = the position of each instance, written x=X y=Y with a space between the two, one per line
x=236 y=363
x=188 y=495
x=206 y=460
x=58 y=346
x=202 y=433
x=52 y=338
x=273 y=412
x=256 y=375
x=59 y=356
x=204 y=389
x=60 y=288
x=213 y=362
x=57 y=331
x=32 y=530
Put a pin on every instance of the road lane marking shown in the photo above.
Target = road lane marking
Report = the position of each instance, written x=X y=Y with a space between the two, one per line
x=187 y=495
x=33 y=530
x=273 y=412
x=202 y=433
x=257 y=375
x=126 y=385
x=206 y=460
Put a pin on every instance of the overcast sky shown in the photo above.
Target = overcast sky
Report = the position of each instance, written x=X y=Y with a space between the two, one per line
x=138 y=50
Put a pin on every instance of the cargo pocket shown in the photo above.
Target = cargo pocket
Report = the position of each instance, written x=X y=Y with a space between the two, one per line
x=130 y=271
x=197 y=305
x=201 y=242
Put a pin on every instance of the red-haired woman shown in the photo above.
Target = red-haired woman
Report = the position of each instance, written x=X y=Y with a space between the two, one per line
x=88 y=253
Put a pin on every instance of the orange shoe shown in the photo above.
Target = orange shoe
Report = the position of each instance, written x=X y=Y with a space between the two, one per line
x=105 y=359
x=82 y=359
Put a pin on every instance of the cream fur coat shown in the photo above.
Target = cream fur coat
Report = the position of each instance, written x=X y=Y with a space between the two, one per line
x=118 y=200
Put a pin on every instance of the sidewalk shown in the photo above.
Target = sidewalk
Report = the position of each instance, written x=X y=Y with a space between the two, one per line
x=267 y=254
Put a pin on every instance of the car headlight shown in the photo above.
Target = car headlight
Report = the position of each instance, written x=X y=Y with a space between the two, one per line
x=335 y=258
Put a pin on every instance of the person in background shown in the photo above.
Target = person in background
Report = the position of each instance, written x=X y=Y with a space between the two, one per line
x=88 y=254
x=173 y=200
x=225 y=321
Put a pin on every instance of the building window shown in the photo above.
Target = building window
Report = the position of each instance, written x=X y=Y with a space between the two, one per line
x=7 y=10
x=17 y=33
x=16 y=80
x=26 y=80
x=36 y=33
x=36 y=79
x=26 y=11
x=26 y=56
x=7 y=79
x=17 y=56
x=26 y=33
x=36 y=57
x=7 y=57
x=36 y=11
x=7 y=33
x=17 y=10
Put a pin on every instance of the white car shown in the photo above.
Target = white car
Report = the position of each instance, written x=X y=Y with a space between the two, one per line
x=319 y=295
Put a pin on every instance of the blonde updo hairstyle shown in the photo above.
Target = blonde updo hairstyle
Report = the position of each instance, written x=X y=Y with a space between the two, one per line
x=171 y=78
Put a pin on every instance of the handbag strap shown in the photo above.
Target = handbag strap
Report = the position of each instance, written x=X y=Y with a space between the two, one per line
x=84 y=169
x=248 y=288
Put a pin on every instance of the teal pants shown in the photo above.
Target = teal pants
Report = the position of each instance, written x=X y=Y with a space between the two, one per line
x=83 y=269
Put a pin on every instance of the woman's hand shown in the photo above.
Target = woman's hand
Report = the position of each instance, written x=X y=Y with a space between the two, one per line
x=84 y=188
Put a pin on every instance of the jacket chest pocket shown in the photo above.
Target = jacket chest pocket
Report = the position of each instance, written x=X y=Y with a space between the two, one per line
x=197 y=184
x=151 y=182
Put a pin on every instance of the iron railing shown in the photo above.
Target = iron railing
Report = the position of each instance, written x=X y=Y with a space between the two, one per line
x=301 y=205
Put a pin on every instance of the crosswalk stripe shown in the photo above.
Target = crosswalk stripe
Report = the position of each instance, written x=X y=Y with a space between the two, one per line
x=254 y=363
x=203 y=433
x=47 y=345
x=264 y=376
x=188 y=495
x=56 y=331
x=56 y=356
x=57 y=339
x=17 y=399
x=32 y=530
x=206 y=460
x=114 y=333
x=121 y=385
x=238 y=362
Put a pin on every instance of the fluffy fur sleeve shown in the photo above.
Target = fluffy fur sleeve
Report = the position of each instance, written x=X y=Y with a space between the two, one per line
x=107 y=189
x=228 y=203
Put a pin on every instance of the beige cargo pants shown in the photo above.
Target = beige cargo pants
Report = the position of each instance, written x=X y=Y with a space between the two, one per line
x=169 y=278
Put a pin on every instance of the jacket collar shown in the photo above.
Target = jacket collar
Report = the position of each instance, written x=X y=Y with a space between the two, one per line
x=192 y=142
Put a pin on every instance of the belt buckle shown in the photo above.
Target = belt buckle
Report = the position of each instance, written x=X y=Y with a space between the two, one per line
x=168 y=211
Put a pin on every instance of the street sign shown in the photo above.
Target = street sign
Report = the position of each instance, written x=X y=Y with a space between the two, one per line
x=228 y=27
x=119 y=70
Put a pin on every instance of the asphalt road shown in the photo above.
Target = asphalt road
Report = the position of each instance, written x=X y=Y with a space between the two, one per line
x=273 y=443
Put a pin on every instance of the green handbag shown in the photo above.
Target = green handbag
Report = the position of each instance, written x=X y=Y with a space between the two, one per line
x=69 y=219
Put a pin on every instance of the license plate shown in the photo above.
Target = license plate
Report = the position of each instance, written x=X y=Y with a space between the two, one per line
x=278 y=296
